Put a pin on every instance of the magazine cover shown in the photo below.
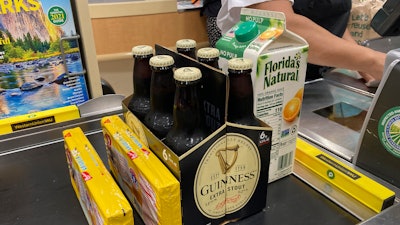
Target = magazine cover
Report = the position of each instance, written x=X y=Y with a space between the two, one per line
x=40 y=61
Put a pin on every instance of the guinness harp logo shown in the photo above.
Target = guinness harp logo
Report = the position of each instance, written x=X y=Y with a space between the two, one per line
x=222 y=155
x=227 y=175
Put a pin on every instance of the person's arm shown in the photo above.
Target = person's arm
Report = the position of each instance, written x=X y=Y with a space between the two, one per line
x=326 y=49
x=347 y=36
x=369 y=79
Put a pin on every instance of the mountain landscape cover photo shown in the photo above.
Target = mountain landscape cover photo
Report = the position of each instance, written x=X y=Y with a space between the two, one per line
x=40 y=62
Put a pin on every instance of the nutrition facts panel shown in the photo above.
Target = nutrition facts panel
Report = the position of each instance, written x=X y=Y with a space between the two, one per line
x=269 y=106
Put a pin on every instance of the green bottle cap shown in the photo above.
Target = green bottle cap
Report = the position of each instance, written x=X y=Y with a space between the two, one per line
x=246 y=31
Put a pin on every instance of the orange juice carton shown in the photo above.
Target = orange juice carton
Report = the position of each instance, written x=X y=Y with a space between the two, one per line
x=101 y=199
x=149 y=185
x=279 y=68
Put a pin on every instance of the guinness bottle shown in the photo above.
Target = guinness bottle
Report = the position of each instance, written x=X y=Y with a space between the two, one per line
x=241 y=100
x=187 y=47
x=189 y=127
x=209 y=56
x=140 y=101
x=162 y=90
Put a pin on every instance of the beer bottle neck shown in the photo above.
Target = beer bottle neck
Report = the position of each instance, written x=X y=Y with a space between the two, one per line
x=210 y=61
x=241 y=100
x=142 y=76
x=191 y=52
x=187 y=107
x=162 y=90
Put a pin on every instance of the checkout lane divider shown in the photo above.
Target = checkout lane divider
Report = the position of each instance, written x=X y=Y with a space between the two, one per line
x=22 y=122
x=357 y=193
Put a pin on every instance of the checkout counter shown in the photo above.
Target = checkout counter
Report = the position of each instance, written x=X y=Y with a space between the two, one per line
x=35 y=186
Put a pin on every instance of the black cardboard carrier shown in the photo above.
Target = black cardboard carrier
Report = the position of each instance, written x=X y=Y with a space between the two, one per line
x=224 y=177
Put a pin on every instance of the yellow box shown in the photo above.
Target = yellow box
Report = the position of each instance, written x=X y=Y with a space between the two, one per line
x=147 y=182
x=101 y=199
x=57 y=115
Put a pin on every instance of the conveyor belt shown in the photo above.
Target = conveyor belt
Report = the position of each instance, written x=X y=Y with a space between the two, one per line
x=35 y=186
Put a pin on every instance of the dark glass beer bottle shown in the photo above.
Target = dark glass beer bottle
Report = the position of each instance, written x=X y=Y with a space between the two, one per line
x=187 y=47
x=162 y=90
x=209 y=56
x=140 y=101
x=241 y=100
x=189 y=126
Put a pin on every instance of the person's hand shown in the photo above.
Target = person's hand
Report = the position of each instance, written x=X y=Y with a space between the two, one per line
x=370 y=81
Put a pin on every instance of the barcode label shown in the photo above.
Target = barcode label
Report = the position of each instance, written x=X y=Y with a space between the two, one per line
x=285 y=160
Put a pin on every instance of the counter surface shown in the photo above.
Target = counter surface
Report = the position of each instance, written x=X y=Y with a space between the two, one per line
x=35 y=186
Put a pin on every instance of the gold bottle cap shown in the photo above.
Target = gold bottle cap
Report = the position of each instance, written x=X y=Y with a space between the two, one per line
x=240 y=64
x=161 y=61
x=208 y=53
x=141 y=50
x=186 y=43
x=187 y=74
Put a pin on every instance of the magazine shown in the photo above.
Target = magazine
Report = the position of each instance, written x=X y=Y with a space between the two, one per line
x=40 y=60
